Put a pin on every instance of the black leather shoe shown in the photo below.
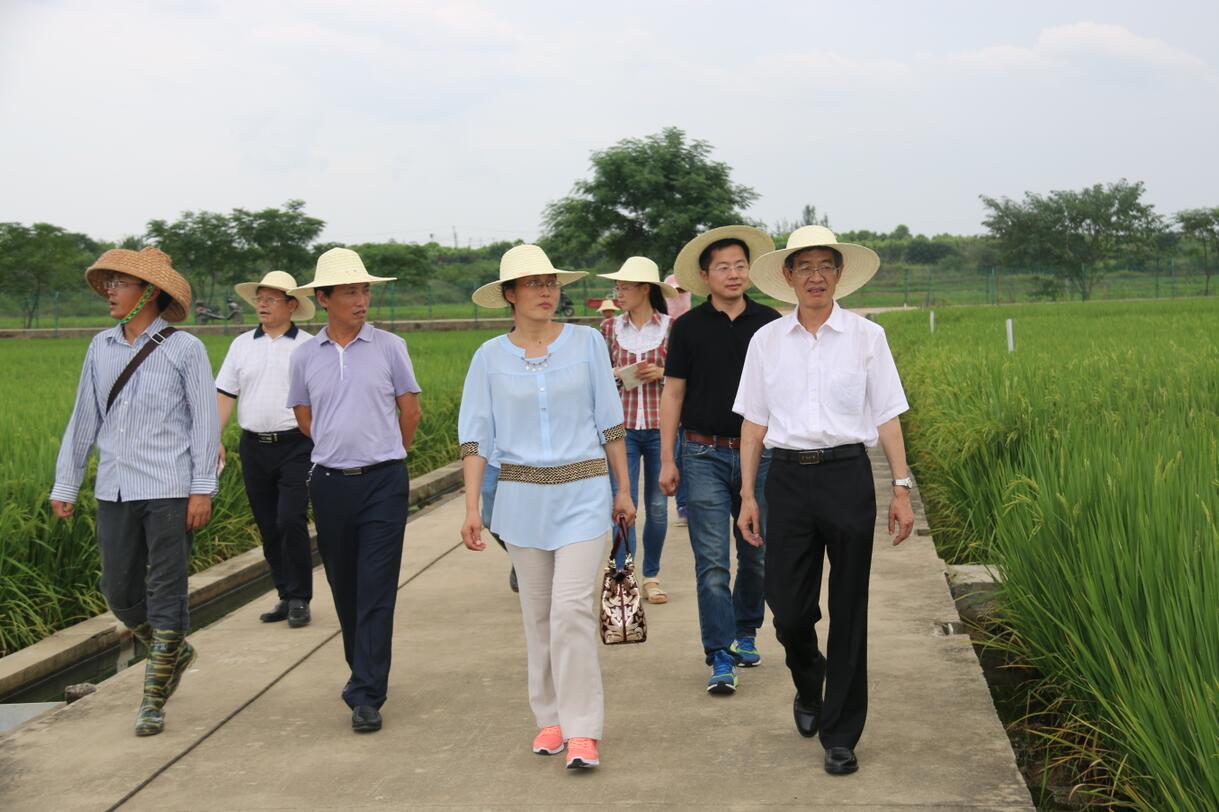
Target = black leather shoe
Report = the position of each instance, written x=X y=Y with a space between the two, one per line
x=840 y=761
x=807 y=718
x=365 y=719
x=280 y=612
x=298 y=614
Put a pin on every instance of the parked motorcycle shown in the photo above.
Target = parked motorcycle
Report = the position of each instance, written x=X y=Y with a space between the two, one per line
x=566 y=308
x=205 y=312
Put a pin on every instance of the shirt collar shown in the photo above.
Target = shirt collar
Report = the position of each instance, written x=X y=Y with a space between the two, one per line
x=158 y=324
x=751 y=307
x=626 y=319
x=290 y=333
x=365 y=334
x=836 y=322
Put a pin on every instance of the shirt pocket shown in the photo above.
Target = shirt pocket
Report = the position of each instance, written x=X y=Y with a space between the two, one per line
x=847 y=390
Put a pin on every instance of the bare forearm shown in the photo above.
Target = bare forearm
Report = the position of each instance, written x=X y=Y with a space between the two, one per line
x=472 y=469
x=615 y=452
x=671 y=398
x=224 y=405
x=894 y=446
x=304 y=420
x=752 y=436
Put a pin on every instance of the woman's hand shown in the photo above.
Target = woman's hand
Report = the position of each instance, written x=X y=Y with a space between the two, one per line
x=472 y=532
x=649 y=372
x=623 y=506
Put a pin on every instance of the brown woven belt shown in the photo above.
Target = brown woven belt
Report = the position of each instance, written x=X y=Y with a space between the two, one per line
x=553 y=475
x=713 y=439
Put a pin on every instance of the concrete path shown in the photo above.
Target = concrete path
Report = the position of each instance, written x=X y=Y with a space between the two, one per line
x=258 y=724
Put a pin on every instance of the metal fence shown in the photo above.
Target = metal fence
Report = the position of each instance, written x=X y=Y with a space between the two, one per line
x=893 y=286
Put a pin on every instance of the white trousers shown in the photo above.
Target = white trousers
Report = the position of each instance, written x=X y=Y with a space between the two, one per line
x=557 y=588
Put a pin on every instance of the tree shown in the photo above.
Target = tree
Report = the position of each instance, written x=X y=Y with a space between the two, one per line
x=40 y=258
x=277 y=239
x=1202 y=227
x=808 y=217
x=1077 y=235
x=203 y=247
x=646 y=197
x=407 y=262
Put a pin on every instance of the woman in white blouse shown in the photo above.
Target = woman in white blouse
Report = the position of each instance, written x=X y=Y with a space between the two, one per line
x=543 y=398
x=638 y=341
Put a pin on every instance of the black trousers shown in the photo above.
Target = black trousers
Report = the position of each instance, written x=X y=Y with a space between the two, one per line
x=145 y=551
x=275 y=475
x=814 y=512
x=360 y=522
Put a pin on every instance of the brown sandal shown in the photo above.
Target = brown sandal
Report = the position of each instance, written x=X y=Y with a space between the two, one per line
x=652 y=592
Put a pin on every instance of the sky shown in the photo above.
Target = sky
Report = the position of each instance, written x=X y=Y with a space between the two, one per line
x=410 y=121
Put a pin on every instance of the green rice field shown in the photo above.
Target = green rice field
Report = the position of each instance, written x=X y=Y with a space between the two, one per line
x=1085 y=467
x=49 y=568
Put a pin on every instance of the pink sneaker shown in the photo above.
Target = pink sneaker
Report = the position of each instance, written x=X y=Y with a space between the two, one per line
x=548 y=741
x=582 y=753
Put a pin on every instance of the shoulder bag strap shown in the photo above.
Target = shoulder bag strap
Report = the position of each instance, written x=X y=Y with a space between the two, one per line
x=154 y=341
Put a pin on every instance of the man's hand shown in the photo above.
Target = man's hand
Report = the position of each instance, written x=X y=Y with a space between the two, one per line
x=62 y=510
x=668 y=478
x=749 y=522
x=472 y=532
x=901 y=515
x=198 y=511
x=624 y=506
x=223 y=455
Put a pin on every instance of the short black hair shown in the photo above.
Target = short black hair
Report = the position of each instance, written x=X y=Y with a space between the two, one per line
x=704 y=259
x=791 y=258
x=504 y=287
x=326 y=289
x=163 y=300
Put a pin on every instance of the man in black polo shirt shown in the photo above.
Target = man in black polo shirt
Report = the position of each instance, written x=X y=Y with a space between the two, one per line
x=707 y=349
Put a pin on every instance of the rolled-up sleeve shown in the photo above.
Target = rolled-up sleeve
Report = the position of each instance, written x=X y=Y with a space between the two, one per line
x=607 y=403
x=886 y=396
x=79 y=437
x=205 y=420
x=475 y=422
x=750 y=400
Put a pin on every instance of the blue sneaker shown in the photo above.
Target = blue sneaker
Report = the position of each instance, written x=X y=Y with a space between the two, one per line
x=723 y=674
x=746 y=651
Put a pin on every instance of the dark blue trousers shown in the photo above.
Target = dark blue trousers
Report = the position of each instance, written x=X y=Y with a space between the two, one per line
x=360 y=522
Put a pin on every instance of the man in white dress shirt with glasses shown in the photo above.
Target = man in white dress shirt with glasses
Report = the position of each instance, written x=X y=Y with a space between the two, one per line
x=818 y=386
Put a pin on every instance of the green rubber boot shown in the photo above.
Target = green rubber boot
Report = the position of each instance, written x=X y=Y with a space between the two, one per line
x=163 y=658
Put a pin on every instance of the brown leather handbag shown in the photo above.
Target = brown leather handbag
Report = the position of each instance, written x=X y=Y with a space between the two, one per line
x=622 y=618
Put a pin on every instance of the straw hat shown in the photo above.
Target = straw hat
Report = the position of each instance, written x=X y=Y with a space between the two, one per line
x=859 y=264
x=608 y=307
x=153 y=266
x=641 y=269
x=671 y=279
x=685 y=267
x=517 y=263
x=340 y=266
x=278 y=280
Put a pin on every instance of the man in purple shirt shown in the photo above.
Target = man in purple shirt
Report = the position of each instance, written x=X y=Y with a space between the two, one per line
x=354 y=392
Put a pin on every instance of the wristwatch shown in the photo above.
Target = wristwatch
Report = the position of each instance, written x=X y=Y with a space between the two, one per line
x=905 y=482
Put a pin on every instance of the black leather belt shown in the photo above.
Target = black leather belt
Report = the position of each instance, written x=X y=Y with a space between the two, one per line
x=817 y=455
x=365 y=469
x=717 y=440
x=275 y=436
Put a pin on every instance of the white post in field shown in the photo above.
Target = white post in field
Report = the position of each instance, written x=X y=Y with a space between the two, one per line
x=933 y=321
x=1011 y=339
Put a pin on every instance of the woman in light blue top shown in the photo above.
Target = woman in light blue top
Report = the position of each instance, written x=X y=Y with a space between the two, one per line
x=543 y=399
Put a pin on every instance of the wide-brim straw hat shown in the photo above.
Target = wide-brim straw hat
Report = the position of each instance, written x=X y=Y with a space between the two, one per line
x=278 y=280
x=608 y=306
x=519 y=262
x=686 y=269
x=340 y=266
x=150 y=264
x=859 y=264
x=641 y=269
x=671 y=279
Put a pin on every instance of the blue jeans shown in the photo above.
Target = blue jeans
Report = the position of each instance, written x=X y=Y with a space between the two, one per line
x=680 y=496
x=645 y=444
x=714 y=477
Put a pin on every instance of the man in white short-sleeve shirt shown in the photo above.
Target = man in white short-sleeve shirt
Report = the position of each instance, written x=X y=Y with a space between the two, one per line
x=274 y=451
x=818 y=386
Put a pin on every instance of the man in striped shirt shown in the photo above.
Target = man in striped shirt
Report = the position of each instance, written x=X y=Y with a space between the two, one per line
x=157 y=439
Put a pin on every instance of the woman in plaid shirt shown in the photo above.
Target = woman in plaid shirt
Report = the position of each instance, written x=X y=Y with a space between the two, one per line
x=638 y=342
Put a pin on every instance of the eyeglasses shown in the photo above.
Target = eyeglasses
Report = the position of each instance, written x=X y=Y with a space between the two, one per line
x=725 y=267
x=533 y=283
x=804 y=270
x=268 y=300
x=120 y=284
x=627 y=287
